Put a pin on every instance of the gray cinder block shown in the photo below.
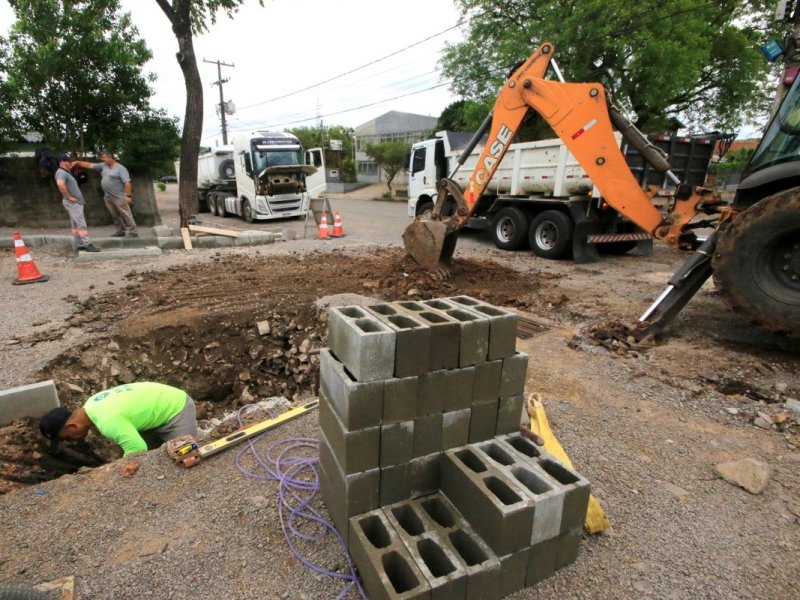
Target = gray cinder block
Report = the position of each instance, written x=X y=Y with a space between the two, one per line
x=358 y=405
x=514 y=374
x=458 y=385
x=568 y=547
x=483 y=421
x=400 y=399
x=474 y=340
x=502 y=326
x=397 y=443
x=445 y=334
x=425 y=475
x=455 y=428
x=355 y=451
x=541 y=561
x=432 y=392
x=413 y=339
x=349 y=494
x=509 y=414
x=364 y=344
x=386 y=568
x=427 y=434
x=487 y=382
x=491 y=503
x=31 y=400
x=514 y=570
x=395 y=483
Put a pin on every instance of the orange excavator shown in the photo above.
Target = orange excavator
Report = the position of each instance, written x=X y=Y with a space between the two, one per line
x=753 y=249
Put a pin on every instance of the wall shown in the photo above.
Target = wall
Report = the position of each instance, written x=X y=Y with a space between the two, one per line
x=28 y=200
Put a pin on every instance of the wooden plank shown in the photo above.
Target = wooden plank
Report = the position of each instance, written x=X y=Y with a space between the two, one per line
x=187 y=239
x=213 y=231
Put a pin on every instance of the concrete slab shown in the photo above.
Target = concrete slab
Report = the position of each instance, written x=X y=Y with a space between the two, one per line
x=122 y=253
x=31 y=400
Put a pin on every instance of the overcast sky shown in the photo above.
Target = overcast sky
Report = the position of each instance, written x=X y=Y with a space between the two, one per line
x=292 y=44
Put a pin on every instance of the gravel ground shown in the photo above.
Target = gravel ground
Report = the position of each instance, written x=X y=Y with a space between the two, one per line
x=645 y=429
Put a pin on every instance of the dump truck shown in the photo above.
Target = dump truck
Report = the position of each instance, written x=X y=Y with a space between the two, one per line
x=262 y=175
x=535 y=196
x=751 y=245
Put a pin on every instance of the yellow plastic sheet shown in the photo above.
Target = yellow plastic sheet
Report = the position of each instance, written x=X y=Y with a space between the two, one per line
x=596 y=518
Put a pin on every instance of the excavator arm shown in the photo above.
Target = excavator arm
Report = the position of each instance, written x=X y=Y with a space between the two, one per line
x=579 y=113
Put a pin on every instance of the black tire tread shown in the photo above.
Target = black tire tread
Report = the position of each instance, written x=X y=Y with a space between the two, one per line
x=16 y=592
x=521 y=234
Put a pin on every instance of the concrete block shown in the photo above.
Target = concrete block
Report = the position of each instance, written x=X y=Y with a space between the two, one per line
x=474 y=339
x=413 y=345
x=170 y=243
x=349 y=494
x=358 y=405
x=395 y=483
x=483 y=421
x=445 y=334
x=541 y=561
x=386 y=568
x=459 y=385
x=33 y=400
x=568 y=546
x=337 y=510
x=205 y=241
x=487 y=382
x=478 y=561
x=427 y=435
x=455 y=428
x=355 y=451
x=502 y=326
x=489 y=501
x=514 y=374
x=122 y=253
x=509 y=414
x=432 y=392
x=362 y=343
x=397 y=443
x=400 y=399
x=221 y=241
x=425 y=475
x=546 y=499
x=513 y=569
x=163 y=231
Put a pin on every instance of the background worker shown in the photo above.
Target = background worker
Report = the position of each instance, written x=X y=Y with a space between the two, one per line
x=116 y=183
x=137 y=416
x=73 y=201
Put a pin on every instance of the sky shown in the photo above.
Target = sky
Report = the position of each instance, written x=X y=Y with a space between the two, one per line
x=288 y=45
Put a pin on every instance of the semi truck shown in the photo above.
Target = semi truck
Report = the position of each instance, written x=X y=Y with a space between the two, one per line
x=262 y=175
x=539 y=194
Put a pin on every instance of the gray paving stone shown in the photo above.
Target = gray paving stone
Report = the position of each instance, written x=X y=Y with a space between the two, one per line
x=32 y=400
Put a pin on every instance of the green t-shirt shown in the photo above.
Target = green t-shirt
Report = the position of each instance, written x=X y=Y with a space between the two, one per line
x=122 y=412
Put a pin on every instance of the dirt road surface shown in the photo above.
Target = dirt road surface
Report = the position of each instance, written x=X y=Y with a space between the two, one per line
x=646 y=427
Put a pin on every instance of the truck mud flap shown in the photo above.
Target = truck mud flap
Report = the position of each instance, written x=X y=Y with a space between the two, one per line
x=586 y=223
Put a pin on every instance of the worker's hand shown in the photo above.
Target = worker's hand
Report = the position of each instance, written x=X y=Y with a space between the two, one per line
x=73 y=200
x=129 y=199
x=129 y=468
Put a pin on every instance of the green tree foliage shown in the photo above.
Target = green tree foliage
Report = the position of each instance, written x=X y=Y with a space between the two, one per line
x=150 y=142
x=694 y=60
x=463 y=115
x=72 y=72
x=391 y=157
x=312 y=137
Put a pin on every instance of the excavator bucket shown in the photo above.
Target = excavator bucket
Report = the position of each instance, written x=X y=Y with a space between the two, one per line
x=426 y=241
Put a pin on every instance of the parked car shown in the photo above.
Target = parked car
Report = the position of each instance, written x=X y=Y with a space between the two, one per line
x=169 y=179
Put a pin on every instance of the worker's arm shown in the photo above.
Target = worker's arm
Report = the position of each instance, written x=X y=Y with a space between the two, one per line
x=88 y=165
x=62 y=186
x=125 y=434
x=126 y=179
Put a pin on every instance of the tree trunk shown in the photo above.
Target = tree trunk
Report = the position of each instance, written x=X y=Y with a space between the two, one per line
x=192 y=122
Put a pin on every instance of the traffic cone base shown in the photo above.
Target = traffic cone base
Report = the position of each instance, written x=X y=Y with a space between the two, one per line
x=322 y=232
x=338 y=229
x=26 y=268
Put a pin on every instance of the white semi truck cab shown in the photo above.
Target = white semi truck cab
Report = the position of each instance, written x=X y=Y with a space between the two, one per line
x=261 y=176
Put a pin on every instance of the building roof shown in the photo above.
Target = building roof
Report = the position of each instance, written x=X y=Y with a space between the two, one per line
x=396 y=122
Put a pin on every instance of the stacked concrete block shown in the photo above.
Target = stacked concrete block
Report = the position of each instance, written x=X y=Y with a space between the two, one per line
x=422 y=466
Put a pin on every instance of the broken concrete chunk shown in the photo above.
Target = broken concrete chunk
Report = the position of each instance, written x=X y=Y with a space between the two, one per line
x=74 y=388
x=113 y=346
x=263 y=328
x=747 y=473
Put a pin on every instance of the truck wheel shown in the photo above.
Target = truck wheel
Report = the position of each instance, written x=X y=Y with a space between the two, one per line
x=509 y=230
x=221 y=207
x=202 y=202
x=550 y=234
x=227 y=169
x=213 y=204
x=247 y=211
x=757 y=262
x=21 y=593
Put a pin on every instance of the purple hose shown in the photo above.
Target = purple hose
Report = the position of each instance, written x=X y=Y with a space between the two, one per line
x=286 y=464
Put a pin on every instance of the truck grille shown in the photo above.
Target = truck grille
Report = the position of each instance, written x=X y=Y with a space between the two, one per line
x=283 y=205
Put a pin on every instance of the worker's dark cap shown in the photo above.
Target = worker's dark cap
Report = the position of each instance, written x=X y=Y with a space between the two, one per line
x=64 y=158
x=51 y=423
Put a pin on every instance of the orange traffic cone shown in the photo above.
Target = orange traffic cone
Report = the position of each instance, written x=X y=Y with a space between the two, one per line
x=322 y=233
x=26 y=268
x=338 y=229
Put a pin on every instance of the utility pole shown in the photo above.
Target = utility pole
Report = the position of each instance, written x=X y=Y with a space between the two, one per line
x=219 y=82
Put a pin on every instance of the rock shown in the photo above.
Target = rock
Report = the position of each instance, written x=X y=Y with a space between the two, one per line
x=747 y=473
x=113 y=346
x=74 y=388
x=263 y=328
x=780 y=418
x=413 y=292
x=36 y=455
x=793 y=404
x=304 y=346
x=675 y=490
x=211 y=346
x=781 y=387
x=732 y=410
x=114 y=372
x=244 y=375
x=762 y=423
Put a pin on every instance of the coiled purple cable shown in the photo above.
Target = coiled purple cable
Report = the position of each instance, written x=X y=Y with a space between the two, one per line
x=288 y=462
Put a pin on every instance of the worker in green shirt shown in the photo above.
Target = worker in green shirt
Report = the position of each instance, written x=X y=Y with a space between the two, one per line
x=137 y=416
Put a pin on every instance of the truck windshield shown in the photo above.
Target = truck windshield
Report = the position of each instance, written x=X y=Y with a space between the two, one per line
x=275 y=158
x=781 y=142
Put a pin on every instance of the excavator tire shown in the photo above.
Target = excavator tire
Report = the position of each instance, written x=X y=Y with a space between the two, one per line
x=21 y=593
x=757 y=262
